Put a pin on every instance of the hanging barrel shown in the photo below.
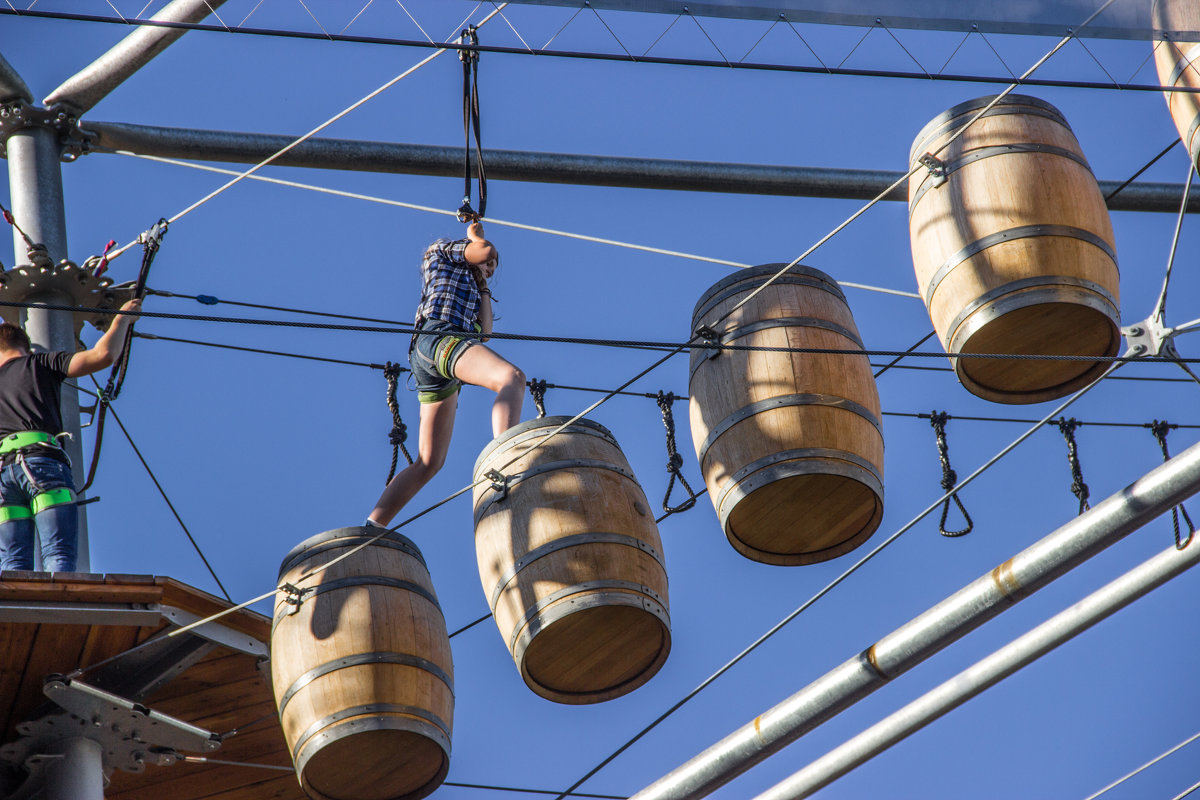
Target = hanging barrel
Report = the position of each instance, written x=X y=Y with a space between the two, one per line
x=1013 y=250
x=361 y=668
x=1177 y=58
x=570 y=561
x=790 y=444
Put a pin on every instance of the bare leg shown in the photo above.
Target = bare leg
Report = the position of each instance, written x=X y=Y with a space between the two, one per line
x=437 y=424
x=481 y=367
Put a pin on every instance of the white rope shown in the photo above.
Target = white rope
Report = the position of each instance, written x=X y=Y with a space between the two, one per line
x=492 y=220
x=242 y=176
x=1145 y=766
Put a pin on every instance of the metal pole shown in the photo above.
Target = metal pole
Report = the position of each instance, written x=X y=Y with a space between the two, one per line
x=909 y=645
x=986 y=673
x=78 y=774
x=92 y=84
x=35 y=185
x=12 y=87
x=517 y=165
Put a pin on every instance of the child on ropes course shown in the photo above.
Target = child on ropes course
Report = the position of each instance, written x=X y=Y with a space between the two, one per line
x=37 y=490
x=454 y=299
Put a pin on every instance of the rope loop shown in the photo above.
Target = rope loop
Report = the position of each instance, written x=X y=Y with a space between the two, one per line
x=938 y=420
x=537 y=388
x=674 y=460
x=470 y=61
x=1078 y=487
x=399 y=433
x=1160 y=429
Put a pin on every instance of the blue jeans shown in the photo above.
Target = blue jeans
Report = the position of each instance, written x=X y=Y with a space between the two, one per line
x=57 y=526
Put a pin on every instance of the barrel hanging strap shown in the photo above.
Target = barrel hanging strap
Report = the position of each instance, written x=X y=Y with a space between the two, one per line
x=1078 y=487
x=470 y=62
x=399 y=433
x=537 y=388
x=674 y=460
x=938 y=420
x=1160 y=431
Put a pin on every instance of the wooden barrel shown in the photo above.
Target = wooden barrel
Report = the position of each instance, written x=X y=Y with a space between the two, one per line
x=361 y=668
x=1178 y=61
x=571 y=562
x=1013 y=250
x=790 y=444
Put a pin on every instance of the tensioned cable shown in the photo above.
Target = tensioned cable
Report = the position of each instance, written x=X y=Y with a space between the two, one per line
x=625 y=57
x=1187 y=791
x=1145 y=766
x=166 y=499
x=950 y=492
x=1138 y=174
x=310 y=134
x=493 y=221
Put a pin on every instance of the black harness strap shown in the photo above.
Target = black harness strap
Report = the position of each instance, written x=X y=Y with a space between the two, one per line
x=470 y=62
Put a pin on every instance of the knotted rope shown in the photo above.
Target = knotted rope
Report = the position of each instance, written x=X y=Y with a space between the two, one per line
x=1078 y=487
x=938 y=420
x=399 y=433
x=674 y=460
x=1160 y=431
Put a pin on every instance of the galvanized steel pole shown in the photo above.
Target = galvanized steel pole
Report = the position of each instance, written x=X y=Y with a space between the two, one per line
x=76 y=772
x=517 y=165
x=986 y=673
x=909 y=645
x=35 y=186
x=92 y=84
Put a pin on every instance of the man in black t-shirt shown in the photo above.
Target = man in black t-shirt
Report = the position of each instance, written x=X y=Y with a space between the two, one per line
x=37 y=490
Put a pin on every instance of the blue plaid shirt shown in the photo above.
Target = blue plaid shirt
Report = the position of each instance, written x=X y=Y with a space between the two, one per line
x=448 y=290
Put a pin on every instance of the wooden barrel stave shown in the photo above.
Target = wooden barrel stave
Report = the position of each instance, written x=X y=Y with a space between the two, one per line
x=366 y=709
x=1178 y=66
x=789 y=443
x=1013 y=252
x=572 y=563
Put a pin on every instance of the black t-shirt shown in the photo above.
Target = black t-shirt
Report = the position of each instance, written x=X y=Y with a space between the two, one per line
x=29 y=392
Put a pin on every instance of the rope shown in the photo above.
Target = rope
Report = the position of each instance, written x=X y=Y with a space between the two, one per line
x=938 y=420
x=1160 y=431
x=1078 y=487
x=1160 y=308
x=674 y=460
x=537 y=388
x=1145 y=766
x=399 y=432
x=470 y=61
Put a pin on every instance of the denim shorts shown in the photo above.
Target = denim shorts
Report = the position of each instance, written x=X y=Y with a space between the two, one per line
x=433 y=358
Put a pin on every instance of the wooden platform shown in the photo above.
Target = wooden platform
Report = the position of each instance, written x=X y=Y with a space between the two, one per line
x=216 y=678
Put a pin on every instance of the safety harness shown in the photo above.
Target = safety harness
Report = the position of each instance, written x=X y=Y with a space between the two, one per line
x=16 y=446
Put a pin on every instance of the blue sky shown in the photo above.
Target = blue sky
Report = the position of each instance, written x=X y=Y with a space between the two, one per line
x=258 y=453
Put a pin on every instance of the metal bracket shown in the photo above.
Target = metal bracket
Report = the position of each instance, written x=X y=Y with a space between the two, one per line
x=294 y=597
x=1150 y=337
x=130 y=734
x=936 y=167
x=499 y=482
x=84 y=289
x=710 y=336
x=19 y=115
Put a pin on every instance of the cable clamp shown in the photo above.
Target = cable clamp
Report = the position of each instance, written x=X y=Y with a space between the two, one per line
x=1149 y=338
x=936 y=167
x=499 y=482
x=294 y=596
x=710 y=337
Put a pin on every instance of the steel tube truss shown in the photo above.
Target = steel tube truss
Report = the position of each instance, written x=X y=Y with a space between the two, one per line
x=909 y=645
x=986 y=673
x=517 y=165
x=92 y=84
x=12 y=87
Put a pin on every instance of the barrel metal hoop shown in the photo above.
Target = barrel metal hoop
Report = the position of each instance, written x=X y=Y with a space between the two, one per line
x=1013 y=104
x=741 y=287
x=571 y=463
x=950 y=167
x=571 y=541
x=433 y=726
x=1190 y=140
x=747 y=411
x=346 y=543
x=542 y=426
x=542 y=433
x=775 y=322
x=362 y=659
x=358 y=580
x=1054 y=289
x=1012 y=234
x=534 y=621
x=1182 y=64
x=348 y=537
x=788 y=463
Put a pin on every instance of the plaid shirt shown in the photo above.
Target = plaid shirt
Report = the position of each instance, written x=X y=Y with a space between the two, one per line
x=448 y=290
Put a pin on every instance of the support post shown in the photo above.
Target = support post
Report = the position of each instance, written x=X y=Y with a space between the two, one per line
x=893 y=655
x=986 y=673
x=35 y=185
x=76 y=772
x=89 y=86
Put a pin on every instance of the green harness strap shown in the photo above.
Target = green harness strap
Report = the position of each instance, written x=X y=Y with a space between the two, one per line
x=8 y=513
x=22 y=439
x=54 y=497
